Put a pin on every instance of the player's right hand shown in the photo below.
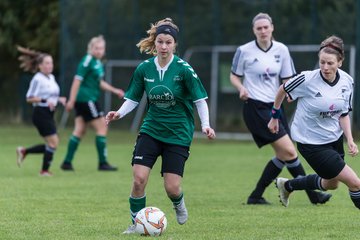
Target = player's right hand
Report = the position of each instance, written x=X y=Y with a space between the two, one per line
x=353 y=148
x=273 y=125
x=112 y=115
x=243 y=94
x=69 y=106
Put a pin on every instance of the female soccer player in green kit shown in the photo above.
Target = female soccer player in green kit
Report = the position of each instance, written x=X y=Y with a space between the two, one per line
x=172 y=88
x=84 y=95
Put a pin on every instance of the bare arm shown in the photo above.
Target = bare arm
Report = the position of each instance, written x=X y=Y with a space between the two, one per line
x=107 y=87
x=73 y=93
x=236 y=82
x=285 y=80
x=33 y=100
x=273 y=124
x=346 y=127
x=279 y=98
x=51 y=105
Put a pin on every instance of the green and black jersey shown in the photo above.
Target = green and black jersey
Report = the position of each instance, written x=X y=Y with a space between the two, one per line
x=170 y=91
x=90 y=71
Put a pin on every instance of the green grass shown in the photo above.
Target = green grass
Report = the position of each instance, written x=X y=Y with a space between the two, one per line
x=219 y=175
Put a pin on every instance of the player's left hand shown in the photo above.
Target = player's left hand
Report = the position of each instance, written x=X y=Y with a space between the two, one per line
x=62 y=100
x=353 y=148
x=209 y=132
x=51 y=106
x=120 y=93
x=273 y=125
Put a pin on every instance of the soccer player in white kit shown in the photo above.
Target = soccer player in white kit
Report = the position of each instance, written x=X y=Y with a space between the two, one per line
x=262 y=64
x=43 y=94
x=320 y=122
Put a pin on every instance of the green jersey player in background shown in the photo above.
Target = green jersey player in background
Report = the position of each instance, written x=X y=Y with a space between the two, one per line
x=84 y=96
x=172 y=88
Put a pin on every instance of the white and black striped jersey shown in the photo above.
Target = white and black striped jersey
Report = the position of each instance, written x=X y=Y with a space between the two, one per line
x=262 y=71
x=320 y=105
x=44 y=87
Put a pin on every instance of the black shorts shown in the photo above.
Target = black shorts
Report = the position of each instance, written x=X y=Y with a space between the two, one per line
x=88 y=110
x=147 y=149
x=43 y=119
x=257 y=117
x=327 y=160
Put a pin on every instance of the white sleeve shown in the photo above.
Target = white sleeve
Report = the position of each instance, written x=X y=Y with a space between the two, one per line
x=127 y=107
x=237 y=66
x=203 y=112
x=34 y=88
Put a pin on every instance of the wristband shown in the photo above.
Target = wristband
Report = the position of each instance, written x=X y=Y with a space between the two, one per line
x=275 y=113
x=43 y=100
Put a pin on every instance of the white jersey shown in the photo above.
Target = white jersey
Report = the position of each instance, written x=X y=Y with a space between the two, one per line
x=262 y=71
x=44 y=87
x=319 y=107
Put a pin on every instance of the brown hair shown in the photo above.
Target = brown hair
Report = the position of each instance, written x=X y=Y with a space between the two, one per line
x=333 y=45
x=147 y=44
x=261 y=16
x=30 y=59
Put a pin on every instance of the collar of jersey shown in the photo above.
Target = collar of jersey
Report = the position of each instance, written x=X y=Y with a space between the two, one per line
x=333 y=83
x=158 y=67
x=257 y=44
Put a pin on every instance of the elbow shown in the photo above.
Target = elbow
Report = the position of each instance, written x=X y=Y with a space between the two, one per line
x=30 y=99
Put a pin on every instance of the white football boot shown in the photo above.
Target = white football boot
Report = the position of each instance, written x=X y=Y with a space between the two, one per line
x=20 y=152
x=283 y=193
x=181 y=212
x=130 y=229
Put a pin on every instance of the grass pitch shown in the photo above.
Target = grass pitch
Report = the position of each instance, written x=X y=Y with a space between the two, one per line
x=219 y=175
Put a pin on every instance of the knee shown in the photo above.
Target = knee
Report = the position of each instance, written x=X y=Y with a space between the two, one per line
x=172 y=189
x=139 y=183
x=79 y=131
x=287 y=153
x=53 y=145
x=102 y=130
x=292 y=153
x=53 y=142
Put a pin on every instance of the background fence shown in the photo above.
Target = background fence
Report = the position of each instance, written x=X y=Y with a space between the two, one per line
x=202 y=23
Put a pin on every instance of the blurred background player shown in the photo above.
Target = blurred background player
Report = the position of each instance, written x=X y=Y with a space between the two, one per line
x=321 y=119
x=43 y=94
x=172 y=88
x=261 y=64
x=84 y=96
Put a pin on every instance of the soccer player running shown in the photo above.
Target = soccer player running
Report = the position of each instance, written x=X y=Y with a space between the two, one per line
x=172 y=88
x=43 y=94
x=261 y=65
x=321 y=119
x=84 y=96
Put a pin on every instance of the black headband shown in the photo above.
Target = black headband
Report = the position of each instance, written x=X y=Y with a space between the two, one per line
x=167 y=29
x=333 y=47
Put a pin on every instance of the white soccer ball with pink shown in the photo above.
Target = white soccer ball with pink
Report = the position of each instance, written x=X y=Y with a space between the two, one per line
x=150 y=221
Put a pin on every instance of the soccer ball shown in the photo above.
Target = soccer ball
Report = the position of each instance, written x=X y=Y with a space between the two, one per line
x=150 y=221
